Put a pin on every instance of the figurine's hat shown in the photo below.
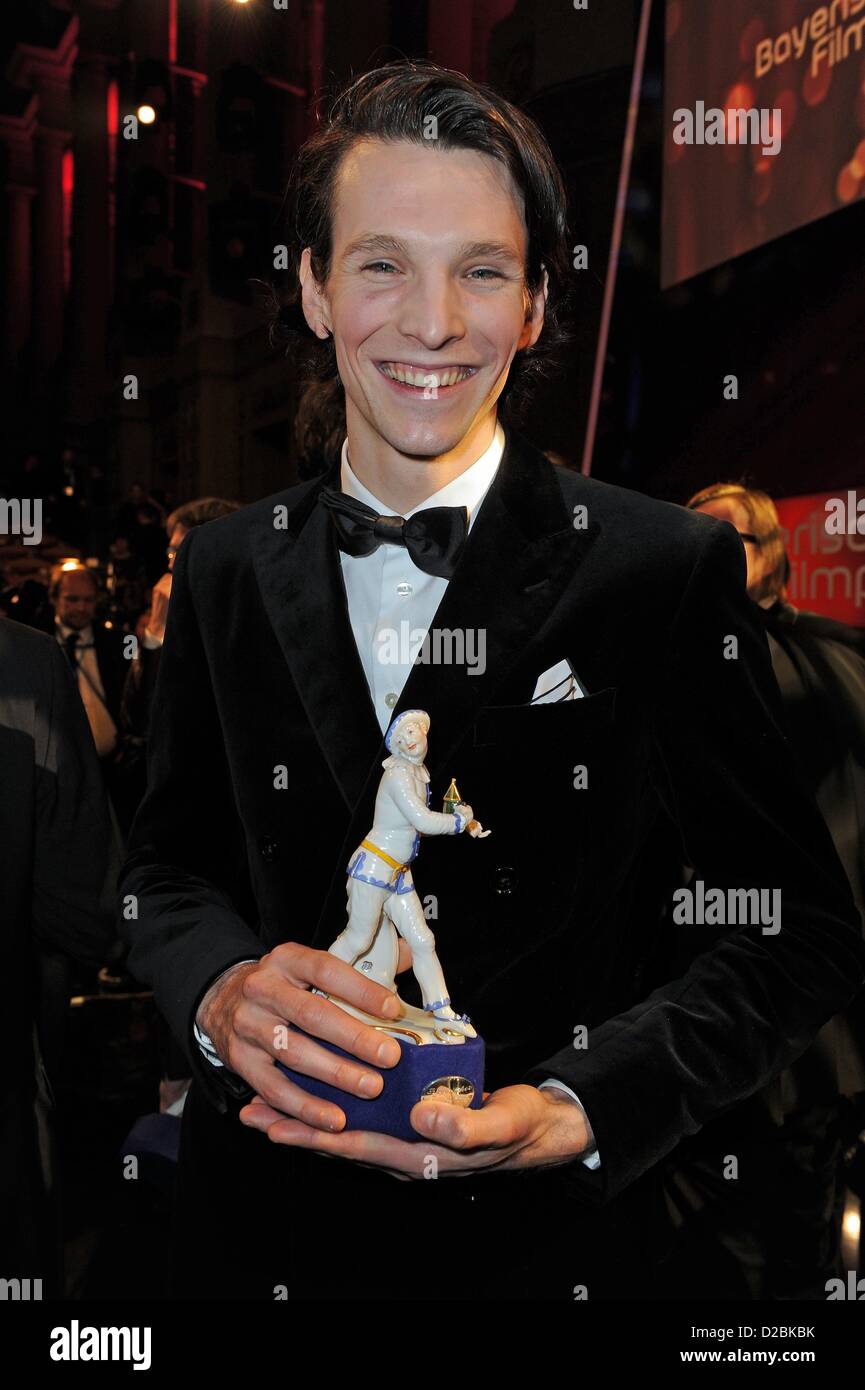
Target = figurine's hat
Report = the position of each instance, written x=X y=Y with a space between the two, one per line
x=420 y=715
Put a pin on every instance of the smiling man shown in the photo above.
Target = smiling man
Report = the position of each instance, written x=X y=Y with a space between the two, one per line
x=430 y=240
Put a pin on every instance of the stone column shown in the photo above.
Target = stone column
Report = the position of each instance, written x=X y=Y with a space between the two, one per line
x=47 y=73
x=91 y=249
x=16 y=133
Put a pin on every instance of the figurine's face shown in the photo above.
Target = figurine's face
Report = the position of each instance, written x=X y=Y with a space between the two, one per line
x=426 y=296
x=411 y=741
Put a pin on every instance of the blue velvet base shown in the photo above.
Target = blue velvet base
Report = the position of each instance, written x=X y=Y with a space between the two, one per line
x=403 y=1084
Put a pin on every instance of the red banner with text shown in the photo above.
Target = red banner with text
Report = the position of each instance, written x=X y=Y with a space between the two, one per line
x=824 y=534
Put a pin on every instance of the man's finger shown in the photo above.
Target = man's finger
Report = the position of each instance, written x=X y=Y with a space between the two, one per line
x=315 y=1015
x=304 y=1055
x=306 y=967
x=259 y=1115
x=494 y=1126
x=283 y=1095
x=360 y=1145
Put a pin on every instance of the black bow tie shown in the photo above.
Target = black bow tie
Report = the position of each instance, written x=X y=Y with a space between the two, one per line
x=434 y=537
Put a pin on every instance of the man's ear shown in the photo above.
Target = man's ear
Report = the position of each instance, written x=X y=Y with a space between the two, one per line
x=535 y=310
x=316 y=310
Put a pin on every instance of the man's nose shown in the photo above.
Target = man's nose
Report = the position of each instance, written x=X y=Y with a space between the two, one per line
x=431 y=310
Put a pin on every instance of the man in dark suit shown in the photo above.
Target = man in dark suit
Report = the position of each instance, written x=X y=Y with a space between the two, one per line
x=432 y=273
x=53 y=866
x=94 y=651
x=97 y=656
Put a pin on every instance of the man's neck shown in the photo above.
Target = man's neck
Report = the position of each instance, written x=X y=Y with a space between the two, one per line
x=401 y=481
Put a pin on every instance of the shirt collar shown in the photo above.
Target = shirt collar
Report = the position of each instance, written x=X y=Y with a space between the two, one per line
x=468 y=490
x=85 y=634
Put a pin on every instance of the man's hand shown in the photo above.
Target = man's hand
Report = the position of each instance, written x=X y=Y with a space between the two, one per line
x=248 y=1014
x=517 y=1127
x=159 y=608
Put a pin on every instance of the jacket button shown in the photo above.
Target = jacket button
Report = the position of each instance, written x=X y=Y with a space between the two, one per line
x=268 y=849
x=505 y=881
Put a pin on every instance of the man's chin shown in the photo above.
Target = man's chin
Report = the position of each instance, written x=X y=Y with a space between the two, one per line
x=424 y=441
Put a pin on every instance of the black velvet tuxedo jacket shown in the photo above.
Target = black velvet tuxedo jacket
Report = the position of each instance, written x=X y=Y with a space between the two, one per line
x=560 y=918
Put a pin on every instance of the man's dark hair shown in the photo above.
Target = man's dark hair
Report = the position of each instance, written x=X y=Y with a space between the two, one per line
x=396 y=102
x=199 y=512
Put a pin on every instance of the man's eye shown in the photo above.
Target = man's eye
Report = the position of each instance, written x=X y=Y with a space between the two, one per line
x=379 y=265
x=486 y=272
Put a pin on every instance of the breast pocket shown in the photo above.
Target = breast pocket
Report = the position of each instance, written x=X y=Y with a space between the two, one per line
x=569 y=725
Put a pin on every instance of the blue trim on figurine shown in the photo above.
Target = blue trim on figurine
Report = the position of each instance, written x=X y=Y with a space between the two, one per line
x=403 y=883
x=460 y=822
x=439 y=1004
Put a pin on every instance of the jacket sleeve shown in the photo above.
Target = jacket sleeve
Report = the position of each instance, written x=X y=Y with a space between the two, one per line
x=750 y=1001
x=177 y=913
x=138 y=692
x=72 y=840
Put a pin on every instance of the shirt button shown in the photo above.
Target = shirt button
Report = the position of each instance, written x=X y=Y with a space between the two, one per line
x=404 y=588
x=390 y=699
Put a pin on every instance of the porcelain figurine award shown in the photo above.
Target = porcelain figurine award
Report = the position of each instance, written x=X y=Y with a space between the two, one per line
x=442 y=1055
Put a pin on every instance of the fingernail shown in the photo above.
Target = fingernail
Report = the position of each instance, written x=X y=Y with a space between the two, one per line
x=385 y=1054
x=369 y=1085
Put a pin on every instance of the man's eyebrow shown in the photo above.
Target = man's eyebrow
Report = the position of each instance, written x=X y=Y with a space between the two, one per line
x=471 y=250
x=375 y=241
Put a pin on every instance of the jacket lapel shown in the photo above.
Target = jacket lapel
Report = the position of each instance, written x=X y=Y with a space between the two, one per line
x=300 y=578
x=521 y=552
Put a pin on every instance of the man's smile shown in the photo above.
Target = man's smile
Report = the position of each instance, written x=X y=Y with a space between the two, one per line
x=411 y=377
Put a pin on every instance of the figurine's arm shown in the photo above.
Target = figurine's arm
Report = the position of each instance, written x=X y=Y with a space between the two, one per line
x=401 y=788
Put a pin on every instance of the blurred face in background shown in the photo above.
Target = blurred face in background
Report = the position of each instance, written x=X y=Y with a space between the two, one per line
x=732 y=510
x=174 y=543
x=76 y=599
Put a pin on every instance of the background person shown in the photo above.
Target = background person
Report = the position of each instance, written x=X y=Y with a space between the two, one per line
x=56 y=887
x=775 y=1232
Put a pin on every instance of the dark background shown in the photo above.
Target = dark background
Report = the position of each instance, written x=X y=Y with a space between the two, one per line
x=134 y=257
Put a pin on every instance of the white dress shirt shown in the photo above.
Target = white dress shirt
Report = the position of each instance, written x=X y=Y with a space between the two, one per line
x=90 y=686
x=388 y=595
x=392 y=603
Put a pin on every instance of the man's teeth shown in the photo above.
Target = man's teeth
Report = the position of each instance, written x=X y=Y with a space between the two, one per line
x=410 y=377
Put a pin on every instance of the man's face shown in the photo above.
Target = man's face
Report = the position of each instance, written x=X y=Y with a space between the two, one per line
x=730 y=509
x=76 y=600
x=426 y=297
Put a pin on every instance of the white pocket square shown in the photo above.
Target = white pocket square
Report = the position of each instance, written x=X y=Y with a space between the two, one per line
x=560 y=682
